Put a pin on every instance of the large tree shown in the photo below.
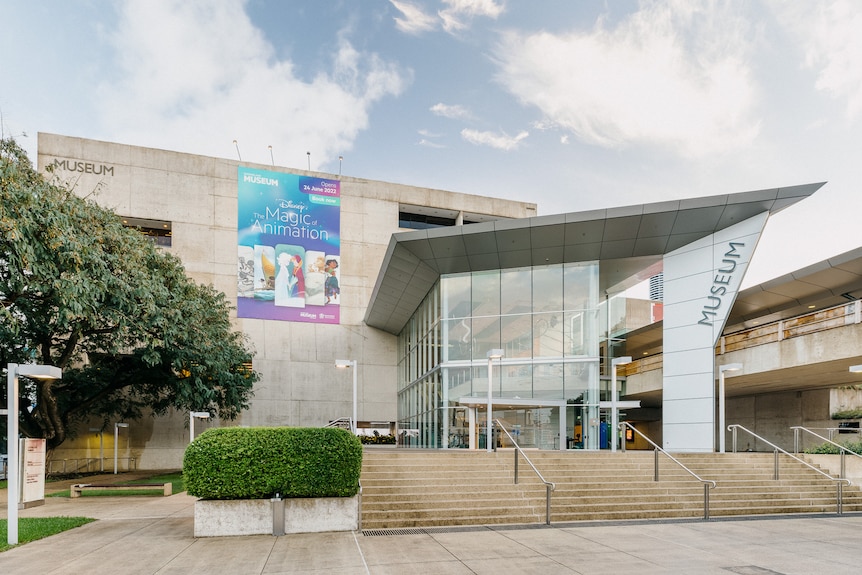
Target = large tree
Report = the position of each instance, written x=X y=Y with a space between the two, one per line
x=131 y=331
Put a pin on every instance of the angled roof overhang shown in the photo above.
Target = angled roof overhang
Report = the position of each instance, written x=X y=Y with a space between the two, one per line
x=629 y=241
x=824 y=284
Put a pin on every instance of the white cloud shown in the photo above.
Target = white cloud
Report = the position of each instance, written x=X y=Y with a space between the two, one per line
x=429 y=144
x=413 y=20
x=454 y=112
x=500 y=141
x=459 y=11
x=209 y=76
x=672 y=73
x=457 y=15
x=831 y=37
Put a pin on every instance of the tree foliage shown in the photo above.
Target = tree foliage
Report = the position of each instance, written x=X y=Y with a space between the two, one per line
x=129 y=328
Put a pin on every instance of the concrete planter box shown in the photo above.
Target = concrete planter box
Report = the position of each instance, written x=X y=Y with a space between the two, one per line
x=832 y=464
x=219 y=518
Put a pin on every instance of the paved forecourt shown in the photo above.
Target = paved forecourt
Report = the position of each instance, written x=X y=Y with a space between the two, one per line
x=149 y=535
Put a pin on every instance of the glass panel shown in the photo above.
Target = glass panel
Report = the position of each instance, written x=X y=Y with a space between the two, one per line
x=617 y=316
x=460 y=383
x=517 y=381
x=581 y=286
x=516 y=291
x=548 y=288
x=459 y=429
x=578 y=379
x=517 y=335
x=486 y=336
x=548 y=335
x=486 y=293
x=458 y=339
x=456 y=295
x=581 y=333
x=548 y=381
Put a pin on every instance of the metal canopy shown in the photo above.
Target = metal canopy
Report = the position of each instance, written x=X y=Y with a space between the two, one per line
x=629 y=241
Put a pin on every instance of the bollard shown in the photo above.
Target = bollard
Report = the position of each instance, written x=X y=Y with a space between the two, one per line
x=277 y=515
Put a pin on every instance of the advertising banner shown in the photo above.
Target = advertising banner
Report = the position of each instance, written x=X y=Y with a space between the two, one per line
x=289 y=245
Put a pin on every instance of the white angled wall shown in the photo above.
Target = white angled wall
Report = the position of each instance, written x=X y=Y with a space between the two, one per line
x=701 y=281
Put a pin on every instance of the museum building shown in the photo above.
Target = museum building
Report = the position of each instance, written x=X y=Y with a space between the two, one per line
x=434 y=297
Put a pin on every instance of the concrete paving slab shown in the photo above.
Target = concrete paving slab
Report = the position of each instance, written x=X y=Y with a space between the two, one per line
x=154 y=535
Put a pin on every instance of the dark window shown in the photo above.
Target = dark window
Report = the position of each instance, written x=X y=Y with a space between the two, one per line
x=157 y=231
x=422 y=221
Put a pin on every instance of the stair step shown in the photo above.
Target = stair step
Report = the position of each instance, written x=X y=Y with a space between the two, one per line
x=424 y=488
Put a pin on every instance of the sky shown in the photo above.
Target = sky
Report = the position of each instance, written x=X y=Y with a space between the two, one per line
x=573 y=105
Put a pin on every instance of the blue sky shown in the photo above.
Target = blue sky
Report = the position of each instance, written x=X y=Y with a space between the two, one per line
x=572 y=105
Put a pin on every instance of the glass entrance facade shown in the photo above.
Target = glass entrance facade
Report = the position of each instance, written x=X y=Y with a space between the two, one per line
x=551 y=323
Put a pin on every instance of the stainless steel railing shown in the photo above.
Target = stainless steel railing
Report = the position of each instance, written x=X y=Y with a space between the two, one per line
x=549 y=486
x=839 y=481
x=843 y=450
x=707 y=483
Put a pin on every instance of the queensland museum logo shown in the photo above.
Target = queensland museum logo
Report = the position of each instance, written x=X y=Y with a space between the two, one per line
x=82 y=167
x=719 y=289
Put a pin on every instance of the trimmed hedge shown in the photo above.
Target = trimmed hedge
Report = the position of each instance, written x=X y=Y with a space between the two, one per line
x=258 y=462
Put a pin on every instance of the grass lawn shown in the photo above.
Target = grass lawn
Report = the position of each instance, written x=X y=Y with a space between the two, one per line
x=33 y=528
x=175 y=479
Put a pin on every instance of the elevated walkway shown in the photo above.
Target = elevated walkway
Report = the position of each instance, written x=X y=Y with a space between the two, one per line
x=418 y=488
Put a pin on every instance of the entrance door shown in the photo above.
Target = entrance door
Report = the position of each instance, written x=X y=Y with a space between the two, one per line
x=588 y=423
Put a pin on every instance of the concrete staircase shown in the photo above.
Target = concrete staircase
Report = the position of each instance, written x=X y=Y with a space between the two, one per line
x=426 y=488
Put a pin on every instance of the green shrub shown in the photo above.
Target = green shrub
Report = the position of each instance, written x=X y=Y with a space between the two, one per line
x=257 y=463
x=829 y=449
x=377 y=439
x=848 y=414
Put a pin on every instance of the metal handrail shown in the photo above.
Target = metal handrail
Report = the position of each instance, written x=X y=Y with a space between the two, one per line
x=707 y=483
x=796 y=429
x=832 y=430
x=549 y=485
x=351 y=426
x=839 y=481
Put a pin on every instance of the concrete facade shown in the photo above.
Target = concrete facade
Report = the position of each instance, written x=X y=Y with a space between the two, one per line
x=198 y=195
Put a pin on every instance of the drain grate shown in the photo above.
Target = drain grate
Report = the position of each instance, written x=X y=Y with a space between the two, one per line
x=751 y=570
x=421 y=530
x=388 y=532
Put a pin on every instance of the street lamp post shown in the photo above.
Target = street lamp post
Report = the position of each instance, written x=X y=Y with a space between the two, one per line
x=117 y=427
x=13 y=473
x=192 y=416
x=489 y=432
x=344 y=364
x=615 y=411
x=721 y=370
x=101 y=449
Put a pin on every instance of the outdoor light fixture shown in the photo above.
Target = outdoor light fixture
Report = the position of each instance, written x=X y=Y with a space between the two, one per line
x=489 y=433
x=721 y=370
x=856 y=369
x=101 y=448
x=615 y=412
x=192 y=416
x=344 y=364
x=13 y=473
x=117 y=427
